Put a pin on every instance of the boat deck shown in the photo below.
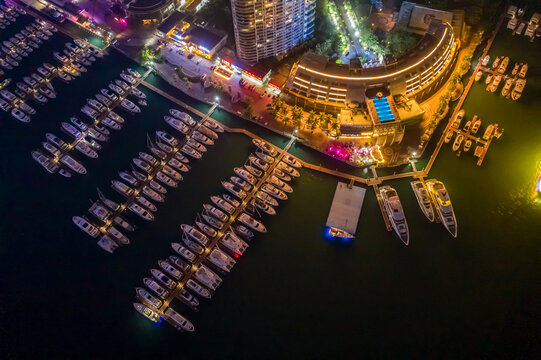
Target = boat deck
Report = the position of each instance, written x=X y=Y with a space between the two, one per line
x=346 y=207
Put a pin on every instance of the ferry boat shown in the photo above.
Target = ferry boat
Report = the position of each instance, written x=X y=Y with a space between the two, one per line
x=243 y=184
x=423 y=199
x=443 y=205
x=458 y=142
x=266 y=198
x=503 y=65
x=86 y=226
x=523 y=71
x=288 y=169
x=147 y=298
x=448 y=136
x=147 y=312
x=217 y=213
x=495 y=83
x=207 y=277
x=163 y=279
x=206 y=229
x=203 y=139
x=182 y=251
x=254 y=171
x=266 y=147
x=222 y=204
x=179 y=263
x=517 y=90
x=214 y=125
x=178 y=321
x=141 y=212
x=478 y=75
x=395 y=213
x=73 y=164
x=44 y=161
x=488 y=132
x=177 y=124
x=507 y=87
x=234 y=189
x=130 y=106
x=476 y=125
x=252 y=223
x=221 y=260
x=271 y=190
x=170 y=269
x=198 y=289
x=191 y=152
x=195 y=234
x=20 y=115
x=157 y=288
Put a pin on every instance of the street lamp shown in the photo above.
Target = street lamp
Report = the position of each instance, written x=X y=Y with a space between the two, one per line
x=217 y=98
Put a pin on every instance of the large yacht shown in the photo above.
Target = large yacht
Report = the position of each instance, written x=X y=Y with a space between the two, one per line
x=176 y=124
x=147 y=298
x=195 y=234
x=221 y=260
x=395 y=213
x=146 y=312
x=443 y=205
x=233 y=243
x=193 y=285
x=178 y=321
x=207 y=277
x=423 y=198
x=86 y=226
x=182 y=251
x=252 y=223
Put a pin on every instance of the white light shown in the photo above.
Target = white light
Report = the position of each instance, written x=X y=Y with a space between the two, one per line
x=217 y=98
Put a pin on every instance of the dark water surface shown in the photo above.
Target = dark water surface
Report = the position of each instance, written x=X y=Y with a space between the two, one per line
x=293 y=295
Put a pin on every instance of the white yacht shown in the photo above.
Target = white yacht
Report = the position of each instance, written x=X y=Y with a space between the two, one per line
x=73 y=164
x=198 y=289
x=86 y=226
x=179 y=263
x=266 y=198
x=255 y=161
x=523 y=71
x=195 y=234
x=279 y=184
x=233 y=243
x=207 y=277
x=246 y=175
x=263 y=206
x=458 y=142
x=288 y=169
x=117 y=89
x=264 y=146
x=203 y=139
x=234 y=189
x=517 y=90
x=217 y=213
x=182 y=251
x=111 y=96
x=147 y=312
x=147 y=298
x=130 y=106
x=187 y=119
x=107 y=244
x=148 y=191
x=507 y=87
x=157 y=288
x=230 y=199
x=178 y=321
x=496 y=83
x=166 y=180
x=167 y=138
x=86 y=150
x=264 y=156
x=423 y=198
x=90 y=112
x=128 y=78
x=111 y=124
x=170 y=269
x=252 y=223
x=395 y=213
x=163 y=279
x=20 y=115
x=281 y=175
x=243 y=184
x=167 y=170
x=207 y=132
x=222 y=204
x=140 y=211
x=443 y=205
x=212 y=221
x=45 y=161
x=178 y=165
x=177 y=124
x=147 y=204
x=122 y=188
x=119 y=237
x=191 y=152
x=221 y=260
x=195 y=145
x=138 y=94
x=208 y=230
x=273 y=191
x=214 y=125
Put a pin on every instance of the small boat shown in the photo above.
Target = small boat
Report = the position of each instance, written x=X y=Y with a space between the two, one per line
x=458 y=142
x=233 y=244
x=503 y=65
x=182 y=251
x=267 y=198
x=496 y=62
x=39 y=98
x=252 y=223
x=467 y=127
x=179 y=263
x=157 y=288
x=86 y=226
x=73 y=164
x=198 y=289
x=221 y=260
x=476 y=125
x=63 y=76
x=165 y=147
x=133 y=73
x=443 y=205
x=147 y=298
x=395 y=213
x=448 y=136
x=234 y=189
x=496 y=83
x=130 y=106
x=273 y=191
x=489 y=79
x=140 y=211
x=138 y=94
x=81 y=125
x=96 y=105
x=478 y=75
x=222 y=204
x=147 y=312
x=8 y=95
x=516 y=69
x=140 y=176
x=163 y=279
x=61 y=58
x=458 y=119
x=423 y=199
x=157 y=187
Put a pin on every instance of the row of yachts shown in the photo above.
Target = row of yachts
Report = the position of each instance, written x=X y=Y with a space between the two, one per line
x=433 y=199
x=37 y=86
x=463 y=140
x=8 y=15
x=513 y=84
x=86 y=137
x=221 y=233
x=151 y=174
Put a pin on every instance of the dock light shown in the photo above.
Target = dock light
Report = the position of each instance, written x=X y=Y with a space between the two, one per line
x=217 y=98
x=414 y=153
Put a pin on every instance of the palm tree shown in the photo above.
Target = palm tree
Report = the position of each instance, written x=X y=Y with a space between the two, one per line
x=296 y=116
x=286 y=120
x=311 y=121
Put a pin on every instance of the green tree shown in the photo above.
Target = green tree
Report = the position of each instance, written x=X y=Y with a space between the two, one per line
x=399 y=41
x=311 y=121
x=296 y=116
x=286 y=120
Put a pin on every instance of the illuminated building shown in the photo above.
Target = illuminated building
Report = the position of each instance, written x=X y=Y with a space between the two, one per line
x=266 y=28
x=148 y=13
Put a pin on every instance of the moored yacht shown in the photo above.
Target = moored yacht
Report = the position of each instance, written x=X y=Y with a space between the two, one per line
x=195 y=234
x=146 y=312
x=20 y=115
x=198 y=289
x=130 y=106
x=86 y=226
x=178 y=321
x=187 y=119
x=177 y=124
x=45 y=161
x=203 y=139
x=140 y=211
x=221 y=260
x=234 y=189
x=395 y=213
x=157 y=288
x=73 y=164
x=214 y=125
x=233 y=243
x=443 y=205
x=208 y=230
x=170 y=269
x=207 y=277
x=271 y=190
x=147 y=298
x=182 y=251
x=423 y=198
x=266 y=198
x=222 y=204
x=288 y=169
x=252 y=223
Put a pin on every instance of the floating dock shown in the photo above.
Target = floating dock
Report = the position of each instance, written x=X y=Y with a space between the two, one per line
x=346 y=207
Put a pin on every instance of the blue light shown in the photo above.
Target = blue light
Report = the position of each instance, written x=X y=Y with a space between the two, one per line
x=538 y=185
x=335 y=239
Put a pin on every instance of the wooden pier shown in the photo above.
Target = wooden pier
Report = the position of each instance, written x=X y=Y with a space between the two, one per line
x=173 y=99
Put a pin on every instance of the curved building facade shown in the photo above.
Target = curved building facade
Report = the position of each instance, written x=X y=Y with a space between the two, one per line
x=325 y=85
x=266 y=28
x=149 y=13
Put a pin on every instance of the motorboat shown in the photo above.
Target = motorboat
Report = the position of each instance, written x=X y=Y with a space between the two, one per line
x=523 y=71
x=73 y=164
x=476 y=125
x=478 y=75
x=267 y=198
x=114 y=116
x=140 y=211
x=489 y=78
x=24 y=87
x=128 y=78
x=147 y=298
x=195 y=145
x=156 y=288
x=96 y=105
x=104 y=100
x=8 y=95
x=203 y=139
x=207 y=277
x=221 y=260
x=208 y=133
x=167 y=138
x=122 y=188
x=516 y=69
x=43 y=72
x=129 y=178
x=246 y=175
x=507 y=87
x=467 y=145
x=488 y=132
x=517 y=90
x=273 y=191
x=264 y=156
x=36 y=77
x=222 y=204
x=170 y=269
x=230 y=199
x=252 y=223
x=138 y=94
x=86 y=150
x=124 y=85
x=496 y=62
x=496 y=83
x=144 y=202
x=198 y=289
x=39 y=98
x=167 y=170
x=163 y=279
x=214 y=125
x=107 y=244
x=191 y=152
x=111 y=124
x=423 y=199
x=45 y=161
x=78 y=123
x=95 y=134
x=180 y=157
x=178 y=165
x=154 y=195
x=123 y=224
x=119 y=237
x=458 y=119
x=467 y=127
x=20 y=115
x=168 y=149
x=395 y=213
x=177 y=124
x=258 y=163
x=212 y=221
x=448 y=136
x=243 y=184
x=157 y=187
x=85 y=225
x=443 y=205
x=186 y=297
x=234 y=189
x=133 y=73
x=193 y=246
x=117 y=89
x=217 y=213
x=281 y=175
x=233 y=244
x=51 y=149
x=288 y=169
x=182 y=251
x=243 y=232
x=263 y=206
x=458 y=142
x=179 y=263
x=206 y=229
x=27 y=108
x=148 y=158
x=503 y=65
x=90 y=112
x=279 y=184
x=59 y=143
x=47 y=92
x=111 y=96
x=266 y=147
x=4 y=105
x=187 y=119
x=291 y=161
x=63 y=76
x=166 y=180
x=130 y=106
